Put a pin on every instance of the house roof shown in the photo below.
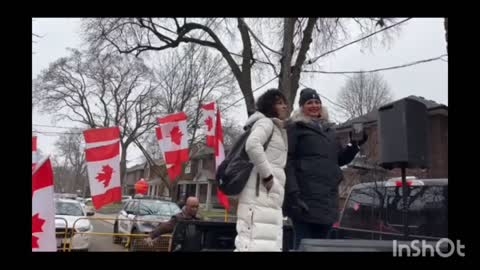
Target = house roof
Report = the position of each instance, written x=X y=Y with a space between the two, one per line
x=372 y=116
x=141 y=166
x=136 y=167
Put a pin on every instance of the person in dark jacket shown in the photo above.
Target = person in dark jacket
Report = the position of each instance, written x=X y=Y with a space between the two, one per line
x=313 y=168
x=189 y=212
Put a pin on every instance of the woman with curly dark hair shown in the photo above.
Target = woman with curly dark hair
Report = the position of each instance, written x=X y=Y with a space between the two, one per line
x=259 y=212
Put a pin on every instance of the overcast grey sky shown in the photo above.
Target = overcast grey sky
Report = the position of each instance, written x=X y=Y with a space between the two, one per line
x=421 y=38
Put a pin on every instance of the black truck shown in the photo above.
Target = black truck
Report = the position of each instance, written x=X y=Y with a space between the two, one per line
x=374 y=211
x=371 y=219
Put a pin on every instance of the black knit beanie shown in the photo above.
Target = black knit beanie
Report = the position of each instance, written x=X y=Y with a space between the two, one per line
x=306 y=94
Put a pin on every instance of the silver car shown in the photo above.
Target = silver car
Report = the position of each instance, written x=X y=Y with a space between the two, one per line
x=141 y=216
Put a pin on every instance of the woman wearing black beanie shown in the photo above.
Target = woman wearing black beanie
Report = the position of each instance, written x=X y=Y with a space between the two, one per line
x=313 y=168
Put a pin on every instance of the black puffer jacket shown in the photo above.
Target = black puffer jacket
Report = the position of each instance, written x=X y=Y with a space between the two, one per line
x=313 y=170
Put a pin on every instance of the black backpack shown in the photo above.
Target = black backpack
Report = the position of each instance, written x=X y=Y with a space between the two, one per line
x=233 y=173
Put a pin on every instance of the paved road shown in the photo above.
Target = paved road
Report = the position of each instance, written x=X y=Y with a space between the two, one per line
x=101 y=242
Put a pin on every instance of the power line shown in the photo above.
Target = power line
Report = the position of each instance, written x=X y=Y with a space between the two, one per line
x=56 y=132
x=309 y=62
x=38 y=125
x=379 y=69
x=258 y=88
x=334 y=103
x=179 y=62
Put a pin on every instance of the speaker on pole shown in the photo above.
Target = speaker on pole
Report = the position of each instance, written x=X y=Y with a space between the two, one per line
x=403 y=134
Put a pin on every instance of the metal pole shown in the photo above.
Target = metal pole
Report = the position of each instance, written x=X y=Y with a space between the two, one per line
x=405 y=203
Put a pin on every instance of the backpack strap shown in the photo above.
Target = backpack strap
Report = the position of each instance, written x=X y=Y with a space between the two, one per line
x=265 y=146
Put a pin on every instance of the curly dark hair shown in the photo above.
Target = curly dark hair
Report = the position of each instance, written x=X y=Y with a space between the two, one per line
x=266 y=102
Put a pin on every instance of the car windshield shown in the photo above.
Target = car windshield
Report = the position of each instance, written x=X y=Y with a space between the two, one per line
x=158 y=208
x=68 y=209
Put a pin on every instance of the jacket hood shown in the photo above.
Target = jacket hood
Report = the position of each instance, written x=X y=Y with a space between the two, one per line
x=299 y=116
x=254 y=118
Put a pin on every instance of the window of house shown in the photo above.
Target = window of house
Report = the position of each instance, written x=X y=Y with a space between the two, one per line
x=203 y=193
x=191 y=190
x=188 y=168
x=215 y=203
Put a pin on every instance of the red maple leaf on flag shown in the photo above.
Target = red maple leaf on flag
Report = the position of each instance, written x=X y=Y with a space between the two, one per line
x=176 y=135
x=105 y=175
x=209 y=123
x=37 y=224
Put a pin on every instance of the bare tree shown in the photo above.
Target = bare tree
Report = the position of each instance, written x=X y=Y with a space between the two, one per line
x=100 y=90
x=187 y=81
x=34 y=36
x=70 y=147
x=61 y=183
x=363 y=93
x=138 y=35
x=231 y=131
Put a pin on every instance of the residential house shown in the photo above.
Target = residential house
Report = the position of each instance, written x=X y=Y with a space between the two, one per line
x=151 y=174
x=197 y=180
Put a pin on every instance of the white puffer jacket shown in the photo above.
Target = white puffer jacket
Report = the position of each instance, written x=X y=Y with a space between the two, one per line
x=260 y=219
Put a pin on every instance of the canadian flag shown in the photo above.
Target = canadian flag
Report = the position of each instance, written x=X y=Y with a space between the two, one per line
x=101 y=136
x=173 y=139
x=34 y=152
x=172 y=169
x=43 y=207
x=208 y=117
x=103 y=165
x=219 y=157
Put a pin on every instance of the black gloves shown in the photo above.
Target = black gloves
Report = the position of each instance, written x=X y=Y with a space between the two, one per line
x=297 y=206
x=302 y=205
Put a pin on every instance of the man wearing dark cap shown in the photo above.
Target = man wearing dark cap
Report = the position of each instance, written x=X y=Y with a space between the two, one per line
x=313 y=168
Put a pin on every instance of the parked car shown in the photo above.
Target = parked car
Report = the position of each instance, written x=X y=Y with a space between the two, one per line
x=141 y=216
x=72 y=212
x=374 y=211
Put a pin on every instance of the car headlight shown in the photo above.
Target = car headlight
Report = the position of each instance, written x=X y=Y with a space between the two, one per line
x=85 y=229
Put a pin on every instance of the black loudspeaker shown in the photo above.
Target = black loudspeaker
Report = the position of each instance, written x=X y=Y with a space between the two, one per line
x=403 y=134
